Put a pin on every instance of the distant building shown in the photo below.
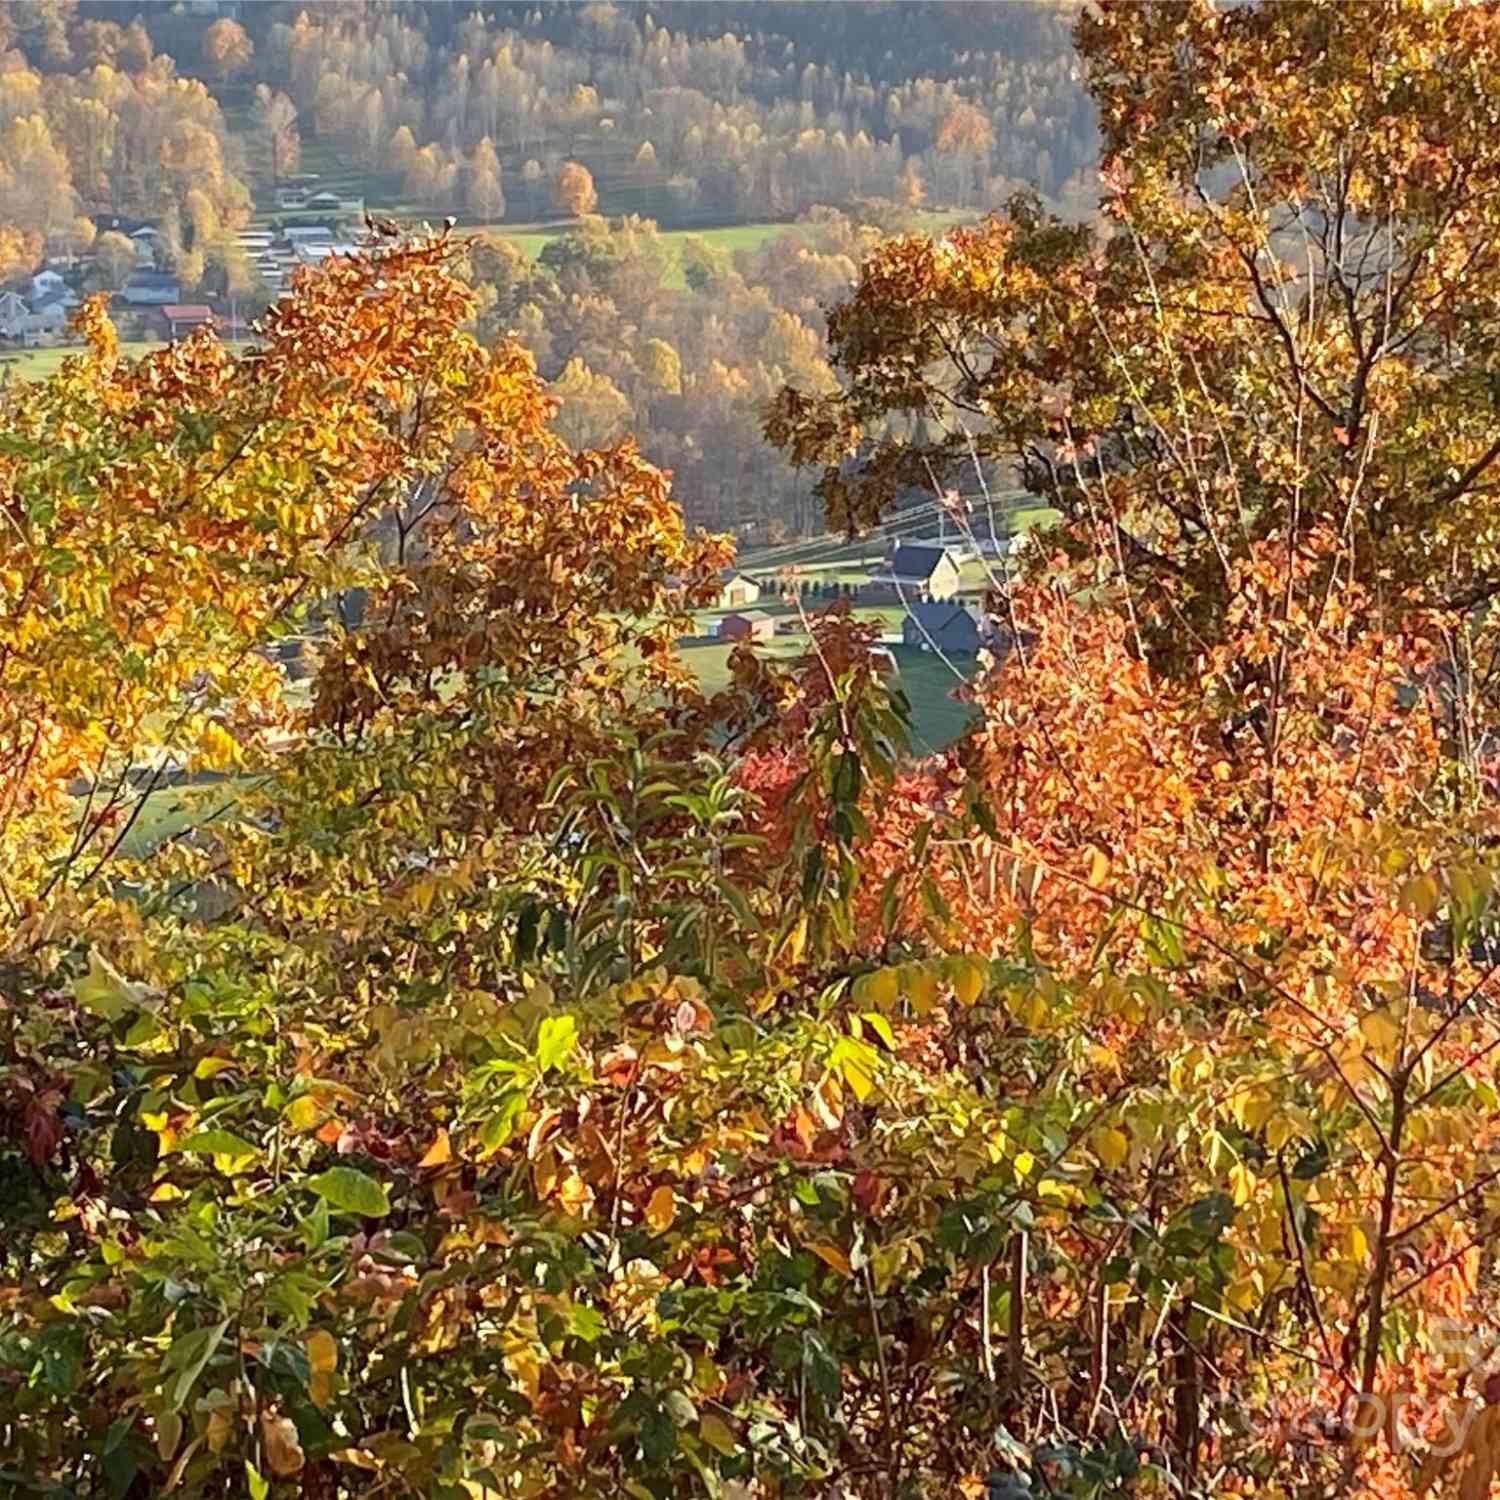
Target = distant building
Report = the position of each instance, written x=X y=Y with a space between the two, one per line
x=309 y=255
x=13 y=314
x=917 y=571
x=179 y=318
x=736 y=589
x=152 y=289
x=325 y=202
x=941 y=625
x=145 y=239
x=47 y=286
x=308 y=234
x=746 y=625
x=44 y=325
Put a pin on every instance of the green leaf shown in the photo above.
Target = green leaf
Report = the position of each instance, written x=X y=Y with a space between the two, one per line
x=554 y=1040
x=658 y=1436
x=259 y=1486
x=501 y=1125
x=680 y=1408
x=187 y=1357
x=351 y=1190
x=105 y=993
x=218 y=1143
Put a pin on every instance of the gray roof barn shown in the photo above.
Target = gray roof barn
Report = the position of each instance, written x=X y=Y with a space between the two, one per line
x=943 y=625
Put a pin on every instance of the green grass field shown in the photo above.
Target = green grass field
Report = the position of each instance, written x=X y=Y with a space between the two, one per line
x=937 y=717
x=38 y=364
x=728 y=238
x=937 y=720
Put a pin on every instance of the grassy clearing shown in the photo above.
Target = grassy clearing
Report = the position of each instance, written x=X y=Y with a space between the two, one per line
x=173 y=810
x=38 y=364
x=937 y=720
x=937 y=717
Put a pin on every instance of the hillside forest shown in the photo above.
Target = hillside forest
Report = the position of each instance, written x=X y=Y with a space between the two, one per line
x=619 y=129
x=449 y=1049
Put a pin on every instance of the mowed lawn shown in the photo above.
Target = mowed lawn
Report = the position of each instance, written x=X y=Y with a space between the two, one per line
x=38 y=364
x=937 y=717
x=729 y=238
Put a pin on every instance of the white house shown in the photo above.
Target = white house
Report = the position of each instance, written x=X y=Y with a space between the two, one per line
x=47 y=285
x=736 y=589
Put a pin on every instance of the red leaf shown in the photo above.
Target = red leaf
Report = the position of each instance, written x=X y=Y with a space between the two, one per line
x=43 y=1129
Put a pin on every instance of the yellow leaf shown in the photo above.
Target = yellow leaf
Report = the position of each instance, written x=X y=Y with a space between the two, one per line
x=439 y=1151
x=303 y=1112
x=968 y=981
x=833 y=1256
x=217 y=747
x=1098 y=867
x=1023 y=1163
x=1111 y=1146
x=1240 y=1295
x=921 y=988
x=661 y=1209
x=208 y=1066
x=1241 y=1184
x=796 y=942
x=322 y=1351
x=717 y=1434
x=322 y=1361
x=1380 y=1031
x=1421 y=894
x=877 y=990
x=1356 y=1246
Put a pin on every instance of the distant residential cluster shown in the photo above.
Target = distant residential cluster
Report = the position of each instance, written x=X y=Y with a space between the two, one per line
x=662 y=201
x=154 y=301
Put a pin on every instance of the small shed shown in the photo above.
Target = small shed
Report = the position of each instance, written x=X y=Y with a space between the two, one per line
x=746 y=625
x=736 y=589
x=179 y=318
x=941 y=625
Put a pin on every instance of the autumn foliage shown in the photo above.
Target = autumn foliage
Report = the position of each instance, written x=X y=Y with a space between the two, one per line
x=506 y=1070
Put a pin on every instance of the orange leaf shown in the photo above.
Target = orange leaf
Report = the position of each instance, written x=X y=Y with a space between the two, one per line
x=662 y=1209
x=439 y=1151
x=833 y=1256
